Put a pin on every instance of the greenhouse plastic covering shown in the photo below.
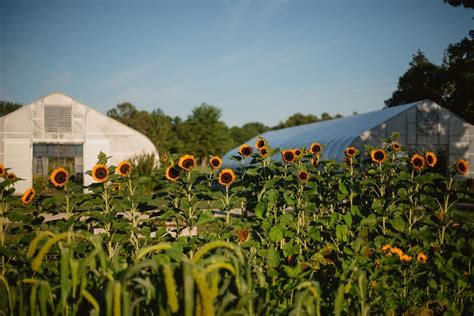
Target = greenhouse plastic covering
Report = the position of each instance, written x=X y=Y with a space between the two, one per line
x=335 y=135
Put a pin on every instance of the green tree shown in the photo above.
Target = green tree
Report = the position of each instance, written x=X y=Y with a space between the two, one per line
x=423 y=80
x=457 y=3
x=7 y=107
x=247 y=131
x=204 y=134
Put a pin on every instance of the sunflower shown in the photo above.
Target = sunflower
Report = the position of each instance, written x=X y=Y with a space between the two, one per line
x=124 y=168
x=215 y=162
x=28 y=196
x=315 y=148
x=226 y=177
x=396 y=146
x=172 y=173
x=378 y=155
x=315 y=160
x=387 y=249
x=116 y=186
x=263 y=152
x=298 y=152
x=405 y=258
x=418 y=162
x=422 y=257
x=303 y=175
x=288 y=155
x=187 y=162
x=461 y=166
x=245 y=150
x=2 y=170
x=164 y=158
x=59 y=177
x=431 y=159
x=396 y=251
x=243 y=235
x=260 y=143
x=11 y=176
x=350 y=152
x=100 y=172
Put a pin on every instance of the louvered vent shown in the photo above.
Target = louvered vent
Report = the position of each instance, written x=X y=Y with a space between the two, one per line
x=57 y=119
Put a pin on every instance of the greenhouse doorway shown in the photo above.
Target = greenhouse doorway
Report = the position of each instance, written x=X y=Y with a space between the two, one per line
x=47 y=157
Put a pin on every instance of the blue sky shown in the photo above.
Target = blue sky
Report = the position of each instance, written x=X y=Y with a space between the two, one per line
x=255 y=60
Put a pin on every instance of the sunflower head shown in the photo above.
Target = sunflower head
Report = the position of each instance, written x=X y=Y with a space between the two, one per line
x=350 y=152
x=2 y=170
x=172 y=173
x=245 y=150
x=164 y=158
x=124 y=168
x=395 y=146
x=100 y=173
x=405 y=258
x=378 y=155
x=431 y=159
x=59 y=177
x=11 y=176
x=303 y=176
x=315 y=148
x=461 y=166
x=243 y=235
x=215 y=162
x=226 y=177
x=28 y=196
x=422 y=257
x=260 y=143
x=315 y=160
x=288 y=155
x=417 y=162
x=187 y=162
x=263 y=152
x=387 y=249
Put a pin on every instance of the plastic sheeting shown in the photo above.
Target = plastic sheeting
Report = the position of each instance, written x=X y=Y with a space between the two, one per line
x=335 y=135
x=21 y=129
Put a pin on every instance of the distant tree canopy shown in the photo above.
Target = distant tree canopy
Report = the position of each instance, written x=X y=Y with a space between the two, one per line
x=7 y=107
x=301 y=119
x=247 y=131
x=449 y=84
x=457 y=3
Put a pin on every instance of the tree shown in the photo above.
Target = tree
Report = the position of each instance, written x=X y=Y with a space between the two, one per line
x=457 y=3
x=204 y=134
x=297 y=119
x=7 y=107
x=123 y=112
x=421 y=81
x=247 y=131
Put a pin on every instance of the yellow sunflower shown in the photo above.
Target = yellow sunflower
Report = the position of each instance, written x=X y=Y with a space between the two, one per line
x=215 y=162
x=350 y=152
x=11 y=176
x=378 y=155
x=422 y=257
x=315 y=160
x=431 y=159
x=405 y=258
x=164 y=158
x=418 y=162
x=263 y=152
x=396 y=146
x=226 y=177
x=124 y=168
x=28 y=196
x=59 y=177
x=315 y=148
x=288 y=155
x=260 y=143
x=303 y=175
x=461 y=166
x=172 y=173
x=243 y=235
x=2 y=170
x=187 y=162
x=298 y=153
x=245 y=150
x=100 y=173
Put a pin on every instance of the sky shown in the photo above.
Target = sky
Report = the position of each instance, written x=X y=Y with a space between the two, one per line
x=255 y=60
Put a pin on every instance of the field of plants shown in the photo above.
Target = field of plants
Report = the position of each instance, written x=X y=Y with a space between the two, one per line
x=379 y=233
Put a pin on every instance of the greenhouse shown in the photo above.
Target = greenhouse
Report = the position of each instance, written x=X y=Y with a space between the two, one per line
x=422 y=125
x=57 y=130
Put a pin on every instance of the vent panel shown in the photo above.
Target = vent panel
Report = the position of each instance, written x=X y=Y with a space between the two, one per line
x=57 y=119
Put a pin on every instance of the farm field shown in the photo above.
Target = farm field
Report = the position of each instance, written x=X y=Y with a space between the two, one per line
x=379 y=233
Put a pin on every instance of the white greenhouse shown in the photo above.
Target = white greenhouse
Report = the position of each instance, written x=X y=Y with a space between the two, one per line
x=422 y=125
x=57 y=130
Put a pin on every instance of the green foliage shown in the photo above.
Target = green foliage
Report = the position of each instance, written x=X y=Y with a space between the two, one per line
x=356 y=237
x=7 y=107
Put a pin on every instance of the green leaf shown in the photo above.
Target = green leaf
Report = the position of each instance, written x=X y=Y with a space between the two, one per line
x=398 y=224
x=348 y=219
x=206 y=217
x=342 y=232
x=276 y=234
x=273 y=257
x=342 y=188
